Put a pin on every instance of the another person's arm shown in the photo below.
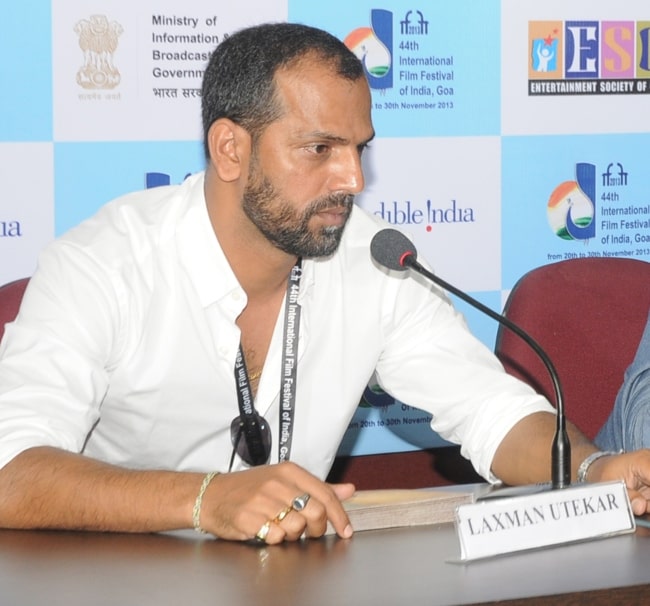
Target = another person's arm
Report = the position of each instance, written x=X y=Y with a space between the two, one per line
x=628 y=426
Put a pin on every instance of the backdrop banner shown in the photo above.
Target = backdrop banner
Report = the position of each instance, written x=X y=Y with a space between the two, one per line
x=509 y=134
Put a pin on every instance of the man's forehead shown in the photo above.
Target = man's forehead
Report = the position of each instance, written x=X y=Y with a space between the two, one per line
x=310 y=84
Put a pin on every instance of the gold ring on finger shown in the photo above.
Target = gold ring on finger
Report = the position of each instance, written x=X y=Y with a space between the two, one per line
x=283 y=514
x=263 y=532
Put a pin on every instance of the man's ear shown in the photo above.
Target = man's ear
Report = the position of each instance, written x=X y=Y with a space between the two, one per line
x=229 y=145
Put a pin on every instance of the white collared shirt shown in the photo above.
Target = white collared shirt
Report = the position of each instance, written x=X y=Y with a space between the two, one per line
x=125 y=344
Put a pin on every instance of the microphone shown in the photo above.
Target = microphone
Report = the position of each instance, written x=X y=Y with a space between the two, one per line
x=393 y=250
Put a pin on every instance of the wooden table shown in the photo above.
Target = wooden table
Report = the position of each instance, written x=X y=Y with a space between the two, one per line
x=390 y=567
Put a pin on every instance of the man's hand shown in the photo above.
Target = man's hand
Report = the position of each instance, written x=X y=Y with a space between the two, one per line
x=237 y=505
x=634 y=469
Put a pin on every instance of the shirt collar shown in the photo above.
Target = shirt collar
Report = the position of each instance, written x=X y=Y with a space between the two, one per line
x=202 y=256
x=200 y=253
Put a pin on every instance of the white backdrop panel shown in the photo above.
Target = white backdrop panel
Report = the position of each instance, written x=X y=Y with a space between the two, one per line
x=27 y=207
x=142 y=81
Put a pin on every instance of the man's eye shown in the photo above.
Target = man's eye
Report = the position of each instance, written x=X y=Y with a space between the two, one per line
x=319 y=148
x=363 y=147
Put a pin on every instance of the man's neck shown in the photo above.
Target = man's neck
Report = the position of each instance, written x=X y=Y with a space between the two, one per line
x=261 y=268
x=260 y=273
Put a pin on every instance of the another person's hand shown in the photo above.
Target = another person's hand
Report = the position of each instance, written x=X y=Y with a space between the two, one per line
x=634 y=469
x=274 y=503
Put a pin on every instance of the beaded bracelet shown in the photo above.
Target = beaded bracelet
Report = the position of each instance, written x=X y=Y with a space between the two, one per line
x=196 y=511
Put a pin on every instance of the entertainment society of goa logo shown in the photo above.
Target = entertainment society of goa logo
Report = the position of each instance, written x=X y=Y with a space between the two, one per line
x=98 y=41
x=589 y=57
x=571 y=207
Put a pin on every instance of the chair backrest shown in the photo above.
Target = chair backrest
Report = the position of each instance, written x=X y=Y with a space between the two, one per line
x=588 y=315
x=11 y=294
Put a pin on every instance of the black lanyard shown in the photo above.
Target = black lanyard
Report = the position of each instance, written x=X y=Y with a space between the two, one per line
x=288 y=368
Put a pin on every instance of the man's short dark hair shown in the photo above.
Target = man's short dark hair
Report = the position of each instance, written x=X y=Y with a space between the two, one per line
x=239 y=80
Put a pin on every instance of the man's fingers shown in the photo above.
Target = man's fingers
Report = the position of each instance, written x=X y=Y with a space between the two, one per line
x=638 y=502
x=343 y=491
x=323 y=503
x=275 y=503
x=334 y=511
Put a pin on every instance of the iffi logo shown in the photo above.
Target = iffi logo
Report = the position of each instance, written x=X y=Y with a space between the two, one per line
x=419 y=27
x=571 y=207
x=374 y=47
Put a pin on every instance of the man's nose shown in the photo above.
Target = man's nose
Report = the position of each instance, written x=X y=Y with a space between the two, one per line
x=348 y=173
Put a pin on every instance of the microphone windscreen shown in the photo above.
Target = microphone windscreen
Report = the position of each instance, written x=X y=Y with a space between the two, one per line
x=390 y=247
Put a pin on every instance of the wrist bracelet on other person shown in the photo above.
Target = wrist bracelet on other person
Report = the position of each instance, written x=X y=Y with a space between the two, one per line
x=592 y=458
x=196 y=511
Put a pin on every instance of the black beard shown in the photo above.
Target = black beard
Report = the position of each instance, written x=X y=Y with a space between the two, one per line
x=288 y=231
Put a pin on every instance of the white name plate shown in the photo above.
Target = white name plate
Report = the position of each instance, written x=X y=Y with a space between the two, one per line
x=503 y=525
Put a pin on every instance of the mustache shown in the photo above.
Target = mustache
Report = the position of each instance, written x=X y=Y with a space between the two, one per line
x=332 y=201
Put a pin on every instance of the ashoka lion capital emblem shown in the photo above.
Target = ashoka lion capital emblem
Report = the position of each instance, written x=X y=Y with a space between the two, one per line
x=98 y=42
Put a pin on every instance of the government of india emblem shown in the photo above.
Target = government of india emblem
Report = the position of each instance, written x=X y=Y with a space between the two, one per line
x=98 y=40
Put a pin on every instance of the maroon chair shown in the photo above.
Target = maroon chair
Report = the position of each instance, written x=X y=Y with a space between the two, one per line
x=588 y=315
x=11 y=294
